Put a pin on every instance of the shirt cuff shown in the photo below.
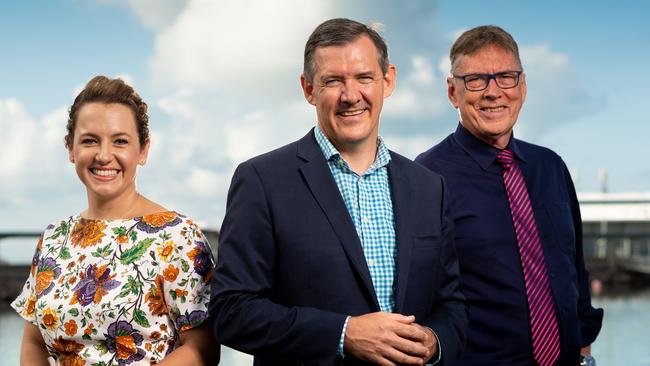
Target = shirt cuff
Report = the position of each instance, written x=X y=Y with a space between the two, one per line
x=339 y=351
x=439 y=349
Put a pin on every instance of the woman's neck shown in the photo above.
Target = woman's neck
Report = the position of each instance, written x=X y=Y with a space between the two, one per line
x=122 y=207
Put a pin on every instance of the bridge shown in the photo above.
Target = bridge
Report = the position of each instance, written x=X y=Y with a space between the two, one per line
x=616 y=233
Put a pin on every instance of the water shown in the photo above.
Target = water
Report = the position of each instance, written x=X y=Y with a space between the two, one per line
x=624 y=339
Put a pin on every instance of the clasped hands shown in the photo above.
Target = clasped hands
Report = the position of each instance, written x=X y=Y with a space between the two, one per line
x=389 y=339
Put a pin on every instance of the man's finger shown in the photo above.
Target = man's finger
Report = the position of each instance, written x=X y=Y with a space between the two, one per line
x=411 y=348
x=412 y=332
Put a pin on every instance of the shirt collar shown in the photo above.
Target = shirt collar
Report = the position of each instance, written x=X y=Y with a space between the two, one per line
x=331 y=153
x=481 y=152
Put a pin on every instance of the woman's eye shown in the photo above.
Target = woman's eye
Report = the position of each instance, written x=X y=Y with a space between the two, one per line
x=88 y=141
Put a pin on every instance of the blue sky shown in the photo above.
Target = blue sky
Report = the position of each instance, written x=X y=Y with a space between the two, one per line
x=221 y=79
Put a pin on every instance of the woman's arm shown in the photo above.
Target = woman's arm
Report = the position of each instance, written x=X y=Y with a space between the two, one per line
x=33 y=351
x=197 y=348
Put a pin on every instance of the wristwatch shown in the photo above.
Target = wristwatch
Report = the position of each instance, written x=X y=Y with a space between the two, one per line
x=587 y=360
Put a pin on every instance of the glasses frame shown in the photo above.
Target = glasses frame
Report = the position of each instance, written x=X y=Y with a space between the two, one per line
x=489 y=77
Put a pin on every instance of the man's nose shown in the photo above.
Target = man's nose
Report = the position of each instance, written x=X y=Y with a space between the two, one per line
x=492 y=90
x=351 y=93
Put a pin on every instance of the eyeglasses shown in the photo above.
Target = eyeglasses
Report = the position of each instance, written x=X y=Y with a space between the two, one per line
x=478 y=82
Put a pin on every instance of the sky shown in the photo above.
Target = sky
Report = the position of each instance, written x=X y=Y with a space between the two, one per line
x=222 y=82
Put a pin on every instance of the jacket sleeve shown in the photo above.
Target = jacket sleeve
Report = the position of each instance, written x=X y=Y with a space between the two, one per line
x=242 y=307
x=449 y=318
x=590 y=318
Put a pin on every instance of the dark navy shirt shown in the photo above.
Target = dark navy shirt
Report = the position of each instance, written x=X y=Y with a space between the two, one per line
x=487 y=248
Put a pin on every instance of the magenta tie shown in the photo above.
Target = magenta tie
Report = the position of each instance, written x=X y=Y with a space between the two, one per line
x=543 y=322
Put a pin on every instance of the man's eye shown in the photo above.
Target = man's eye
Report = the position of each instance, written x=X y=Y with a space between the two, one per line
x=121 y=141
x=366 y=79
x=472 y=78
x=332 y=82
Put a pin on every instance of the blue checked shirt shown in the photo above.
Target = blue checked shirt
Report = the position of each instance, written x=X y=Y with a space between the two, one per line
x=369 y=203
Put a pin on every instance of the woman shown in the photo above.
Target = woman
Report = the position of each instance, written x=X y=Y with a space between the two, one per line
x=125 y=282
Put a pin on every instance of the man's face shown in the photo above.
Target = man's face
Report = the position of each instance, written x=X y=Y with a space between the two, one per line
x=348 y=90
x=489 y=114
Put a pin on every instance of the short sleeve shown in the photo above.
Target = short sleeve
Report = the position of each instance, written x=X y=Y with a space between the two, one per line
x=187 y=278
x=25 y=303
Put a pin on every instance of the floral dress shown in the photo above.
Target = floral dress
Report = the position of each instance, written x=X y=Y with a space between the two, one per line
x=117 y=292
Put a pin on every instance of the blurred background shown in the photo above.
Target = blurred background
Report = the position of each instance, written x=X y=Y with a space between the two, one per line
x=222 y=82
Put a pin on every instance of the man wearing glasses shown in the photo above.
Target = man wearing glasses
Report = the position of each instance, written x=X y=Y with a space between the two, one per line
x=517 y=221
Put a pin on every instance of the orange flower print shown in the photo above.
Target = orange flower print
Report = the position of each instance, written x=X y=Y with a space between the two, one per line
x=49 y=319
x=180 y=293
x=155 y=335
x=30 y=307
x=125 y=346
x=87 y=233
x=161 y=347
x=163 y=327
x=166 y=250
x=123 y=340
x=70 y=328
x=47 y=271
x=68 y=352
x=89 y=329
x=155 y=298
x=122 y=239
x=170 y=273
x=158 y=221
x=147 y=346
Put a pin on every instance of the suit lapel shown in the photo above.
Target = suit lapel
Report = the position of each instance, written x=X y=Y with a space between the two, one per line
x=401 y=196
x=322 y=185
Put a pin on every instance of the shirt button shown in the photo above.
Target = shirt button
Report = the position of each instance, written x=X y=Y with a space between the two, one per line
x=370 y=262
x=364 y=219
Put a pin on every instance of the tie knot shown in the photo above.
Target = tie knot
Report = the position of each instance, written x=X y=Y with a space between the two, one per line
x=505 y=158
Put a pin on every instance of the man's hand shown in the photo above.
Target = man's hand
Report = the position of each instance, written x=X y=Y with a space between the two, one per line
x=388 y=339
x=430 y=342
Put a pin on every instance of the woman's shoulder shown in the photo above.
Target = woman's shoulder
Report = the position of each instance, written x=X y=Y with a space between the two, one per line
x=59 y=227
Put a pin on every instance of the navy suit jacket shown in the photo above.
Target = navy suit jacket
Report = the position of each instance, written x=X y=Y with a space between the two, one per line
x=290 y=266
x=499 y=332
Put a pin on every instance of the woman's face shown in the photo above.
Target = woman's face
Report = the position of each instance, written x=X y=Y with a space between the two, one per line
x=106 y=150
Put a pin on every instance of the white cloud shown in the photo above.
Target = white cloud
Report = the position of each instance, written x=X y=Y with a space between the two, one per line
x=411 y=146
x=556 y=94
x=444 y=66
x=17 y=127
x=206 y=183
x=236 y=46
x=418 y=96
x=32 y=154
x=153 y=14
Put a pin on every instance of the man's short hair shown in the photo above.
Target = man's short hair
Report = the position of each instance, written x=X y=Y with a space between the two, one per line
x=479 y=37
x=339 y=32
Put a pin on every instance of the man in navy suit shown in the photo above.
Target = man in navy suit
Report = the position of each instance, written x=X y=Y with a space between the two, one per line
x=335 y=250
x=517 y=222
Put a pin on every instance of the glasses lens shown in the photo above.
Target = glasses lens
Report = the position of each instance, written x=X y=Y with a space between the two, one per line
x=475 y=82
x=507 y=79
